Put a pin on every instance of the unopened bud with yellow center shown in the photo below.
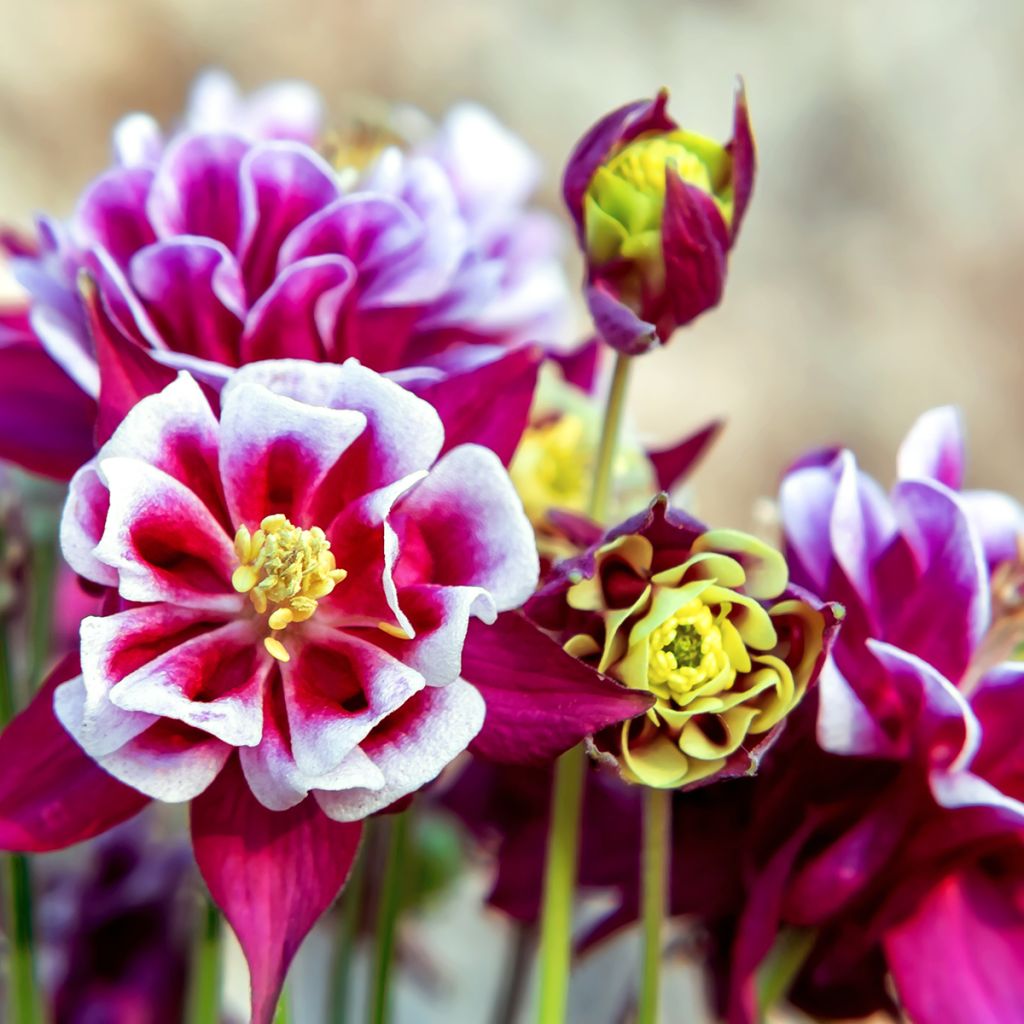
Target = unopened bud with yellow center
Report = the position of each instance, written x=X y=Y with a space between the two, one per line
x=285 y=570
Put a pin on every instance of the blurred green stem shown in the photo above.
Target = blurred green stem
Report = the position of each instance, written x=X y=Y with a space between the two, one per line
x=204 y=989
x=44 y=573
x=23 y=997
x=654 y=887
x=781 y=967
x=347 y=940
x=567 y=792
x=282 y=1015
x=387 y=919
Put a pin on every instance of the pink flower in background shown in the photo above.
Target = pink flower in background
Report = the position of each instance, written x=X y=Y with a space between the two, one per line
x=233 y=240
x=891 y=821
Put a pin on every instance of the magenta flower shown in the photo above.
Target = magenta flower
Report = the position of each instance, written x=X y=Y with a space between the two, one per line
x=893 y=824
x=290 y=679
x=289 y=587
x=234 y=241
x=657 y=209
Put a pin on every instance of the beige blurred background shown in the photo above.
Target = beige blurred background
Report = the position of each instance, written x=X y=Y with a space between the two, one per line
x=880 y=271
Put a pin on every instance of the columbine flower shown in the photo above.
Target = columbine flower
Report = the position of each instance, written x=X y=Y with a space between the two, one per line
x=233 y=241
x=890 y=823
x=290 y=587
x=704 y=621
x=657 y=209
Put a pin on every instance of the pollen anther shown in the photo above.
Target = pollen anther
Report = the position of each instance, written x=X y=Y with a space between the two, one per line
x=285 y=570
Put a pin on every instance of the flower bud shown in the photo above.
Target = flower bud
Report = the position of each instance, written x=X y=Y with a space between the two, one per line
x=657 y=209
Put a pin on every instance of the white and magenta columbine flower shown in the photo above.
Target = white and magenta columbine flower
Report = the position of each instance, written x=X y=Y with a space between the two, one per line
x=234 y=240
x=289 y=587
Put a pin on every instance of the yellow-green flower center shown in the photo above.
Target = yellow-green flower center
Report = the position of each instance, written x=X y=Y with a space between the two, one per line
x=285 y=570
x=686 y=651
x=625 y=203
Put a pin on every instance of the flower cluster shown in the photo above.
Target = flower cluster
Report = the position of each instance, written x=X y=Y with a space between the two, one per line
x=343 y=513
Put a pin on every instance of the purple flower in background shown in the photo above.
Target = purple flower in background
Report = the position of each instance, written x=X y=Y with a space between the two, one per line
x=117 y=930
x=890 y=822
x=233 y=240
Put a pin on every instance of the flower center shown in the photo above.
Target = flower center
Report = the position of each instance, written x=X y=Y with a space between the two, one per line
x=642 y=164
x=285 y=570
x=686 y=651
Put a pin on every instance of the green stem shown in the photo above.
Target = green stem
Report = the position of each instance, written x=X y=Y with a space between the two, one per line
x=610 y=428
x=567 y=791
x=654 y=886
x=44 y=570
x=24 y=1000
x=204 y=989
x=347 y=938
x=782 y=965
x=387 y=919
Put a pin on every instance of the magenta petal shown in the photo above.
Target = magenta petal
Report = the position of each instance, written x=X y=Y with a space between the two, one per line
x=959 y=959
x=112 y=213
x=194 y=294
x=945 y=616
x=46 y=419
x=540 y=700
x=52 y=794
x=672 y=465
x=486 y=403
x=694 y=243
x=617 y=324
x=934 y=449
x=272 y=873
x=297 y=316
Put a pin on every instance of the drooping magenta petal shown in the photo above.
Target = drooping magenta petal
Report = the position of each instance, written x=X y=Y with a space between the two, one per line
x=934 y=448
x=469 y=495
x=276 y=453
x=52 y=794
x=488 y=402
x=272 y=873
x=672 y=465
x=959 y=958
x=946 y=614
x=617 y=324
x=412 y=747
x=45 y=417
x=540 y=700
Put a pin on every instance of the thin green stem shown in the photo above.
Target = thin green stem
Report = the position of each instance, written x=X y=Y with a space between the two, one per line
x=654 y=887
x=560 y=885
x=387 y=919
x=781 y=967
x=24 y=1001
x=567 y=791
x=204 y=989
x=44 y=570
x=346 y=941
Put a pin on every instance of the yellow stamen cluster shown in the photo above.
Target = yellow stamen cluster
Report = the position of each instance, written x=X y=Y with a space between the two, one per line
x=686 y=651
x=285 y=570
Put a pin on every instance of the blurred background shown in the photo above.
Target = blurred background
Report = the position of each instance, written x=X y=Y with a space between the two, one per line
x=880 y=269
